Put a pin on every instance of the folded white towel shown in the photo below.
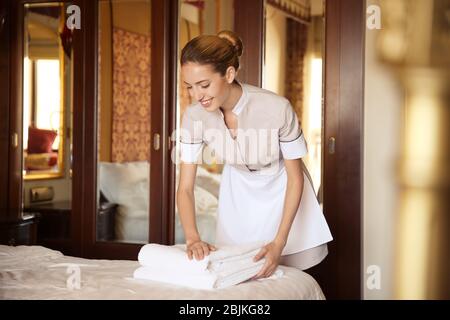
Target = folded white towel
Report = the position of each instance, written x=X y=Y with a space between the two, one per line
x=161 y=256
x=196 y=280
x=224 y=267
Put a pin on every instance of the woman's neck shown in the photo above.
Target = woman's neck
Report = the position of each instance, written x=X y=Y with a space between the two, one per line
x=233 y=98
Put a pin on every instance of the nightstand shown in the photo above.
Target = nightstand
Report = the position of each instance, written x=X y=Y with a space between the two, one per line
x=19 y=232
x=54 y=225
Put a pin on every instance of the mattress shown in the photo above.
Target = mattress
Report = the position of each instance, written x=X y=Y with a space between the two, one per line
x=35 y=272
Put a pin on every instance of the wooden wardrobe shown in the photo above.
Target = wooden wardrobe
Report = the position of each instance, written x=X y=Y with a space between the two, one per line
x=340 y=275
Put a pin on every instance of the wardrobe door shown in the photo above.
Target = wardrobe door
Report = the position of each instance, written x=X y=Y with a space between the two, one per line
x=313 y=55
x=126 y=99
x=37 y=117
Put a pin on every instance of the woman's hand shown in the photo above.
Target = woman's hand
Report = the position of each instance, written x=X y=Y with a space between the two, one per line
x=272 y=253
x=198 y=249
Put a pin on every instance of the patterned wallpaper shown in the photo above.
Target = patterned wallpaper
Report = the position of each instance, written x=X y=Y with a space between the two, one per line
x=131 y=96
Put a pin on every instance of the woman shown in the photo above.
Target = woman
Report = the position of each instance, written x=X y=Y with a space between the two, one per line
x=265 y=195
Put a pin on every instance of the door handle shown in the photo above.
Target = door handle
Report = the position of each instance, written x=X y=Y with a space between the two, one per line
x=156 y=141
x=332 y=145
x=15 y=140
x=2 y=21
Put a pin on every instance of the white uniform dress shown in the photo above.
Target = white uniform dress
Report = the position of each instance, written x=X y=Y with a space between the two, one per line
x=254 y=177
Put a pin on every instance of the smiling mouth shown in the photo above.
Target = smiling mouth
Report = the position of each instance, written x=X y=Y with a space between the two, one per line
x=206 y=103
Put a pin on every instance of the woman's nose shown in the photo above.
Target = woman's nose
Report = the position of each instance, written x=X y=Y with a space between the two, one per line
x=198 y=95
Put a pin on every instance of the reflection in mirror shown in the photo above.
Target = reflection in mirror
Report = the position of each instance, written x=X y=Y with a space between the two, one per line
x=124 y=74
x=293 y=64
x=198 y=18
x=45 y=74
x=47 y=121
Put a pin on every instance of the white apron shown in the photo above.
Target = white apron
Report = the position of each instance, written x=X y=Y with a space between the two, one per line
x=251 y=208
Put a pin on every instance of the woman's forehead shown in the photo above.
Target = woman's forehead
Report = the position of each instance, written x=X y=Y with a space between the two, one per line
x=194 y=72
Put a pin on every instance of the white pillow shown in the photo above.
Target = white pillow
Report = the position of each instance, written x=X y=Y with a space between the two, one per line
x=126 y=184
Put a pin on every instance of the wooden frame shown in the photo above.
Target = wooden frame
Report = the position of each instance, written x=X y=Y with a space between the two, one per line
x=344 y=103
x=249 y=25
x=341 y=274
x=11 y=33
x=85 y=156
x=7 y=22
x=11 y=60
x=62 y=132
x=14 y=139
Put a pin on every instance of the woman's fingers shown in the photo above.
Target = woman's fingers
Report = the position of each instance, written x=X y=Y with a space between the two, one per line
x=202 y=251
x=199 y=250
x=199 y=253
x=205 y=249
x=260 y=254
x=263 y=270
x=269 y=272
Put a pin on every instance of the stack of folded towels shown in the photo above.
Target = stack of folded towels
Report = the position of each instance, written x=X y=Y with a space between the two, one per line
x=222 y=268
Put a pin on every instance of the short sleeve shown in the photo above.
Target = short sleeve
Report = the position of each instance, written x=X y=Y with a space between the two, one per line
x=191 y=138
x=292 y=141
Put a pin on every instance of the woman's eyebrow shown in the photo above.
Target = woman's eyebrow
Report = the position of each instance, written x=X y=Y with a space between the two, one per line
x=198 y=82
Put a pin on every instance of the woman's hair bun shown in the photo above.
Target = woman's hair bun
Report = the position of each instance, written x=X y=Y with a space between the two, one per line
x=234 y=40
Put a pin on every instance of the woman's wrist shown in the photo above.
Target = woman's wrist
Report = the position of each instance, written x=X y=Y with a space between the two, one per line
x=192 y=239
x=280 y=241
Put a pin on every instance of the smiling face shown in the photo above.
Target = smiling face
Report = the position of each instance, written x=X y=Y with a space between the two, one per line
x=206 y=86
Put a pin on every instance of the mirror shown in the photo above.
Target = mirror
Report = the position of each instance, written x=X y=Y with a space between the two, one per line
x=197 y=18
x=47 y=121
x=46 y=105
x=123 y=113
x=293 y=68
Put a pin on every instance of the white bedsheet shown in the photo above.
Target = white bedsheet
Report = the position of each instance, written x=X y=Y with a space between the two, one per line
x=34 y=272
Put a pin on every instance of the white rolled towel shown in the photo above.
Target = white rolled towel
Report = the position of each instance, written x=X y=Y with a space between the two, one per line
x=222 y=268
x=162 y=256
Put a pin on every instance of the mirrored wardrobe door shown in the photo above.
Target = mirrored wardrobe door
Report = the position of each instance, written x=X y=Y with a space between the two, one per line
x=198 y=18
x=47 y=125
x=293 y=66
x=124 y=121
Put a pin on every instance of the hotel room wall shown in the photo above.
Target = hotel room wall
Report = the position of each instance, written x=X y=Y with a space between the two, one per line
x=382 y=123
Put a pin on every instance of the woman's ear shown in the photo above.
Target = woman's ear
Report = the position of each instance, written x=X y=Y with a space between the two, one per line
x=231 y=74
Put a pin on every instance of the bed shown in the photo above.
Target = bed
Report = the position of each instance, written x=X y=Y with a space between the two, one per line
x=35 y=272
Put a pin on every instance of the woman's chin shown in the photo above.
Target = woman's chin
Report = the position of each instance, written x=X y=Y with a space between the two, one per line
x=210 y=108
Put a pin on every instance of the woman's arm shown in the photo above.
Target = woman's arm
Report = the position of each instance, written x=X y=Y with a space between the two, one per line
x=186 y=210
x=186 y=201
x=292 y=199
x=272 y=251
